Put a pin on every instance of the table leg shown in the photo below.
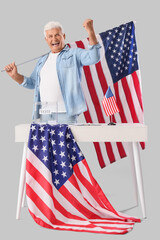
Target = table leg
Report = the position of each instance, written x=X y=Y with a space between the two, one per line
x=21 y=182
x=24 y=197
x=138 y=170
x=131 y=157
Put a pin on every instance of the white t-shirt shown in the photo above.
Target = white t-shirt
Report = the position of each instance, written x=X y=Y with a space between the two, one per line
x=49 y=85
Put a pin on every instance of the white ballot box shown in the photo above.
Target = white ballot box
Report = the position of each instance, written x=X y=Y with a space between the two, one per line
x=46 y=112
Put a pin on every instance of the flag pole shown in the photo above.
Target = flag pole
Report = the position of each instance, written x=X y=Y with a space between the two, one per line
x=111 y=121
x=26 y=61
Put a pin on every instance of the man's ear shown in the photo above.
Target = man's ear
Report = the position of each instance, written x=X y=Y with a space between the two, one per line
x=64 y=35
x=46 y=40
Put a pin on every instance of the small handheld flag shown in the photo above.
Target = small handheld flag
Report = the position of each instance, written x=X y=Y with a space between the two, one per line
x=109 y=103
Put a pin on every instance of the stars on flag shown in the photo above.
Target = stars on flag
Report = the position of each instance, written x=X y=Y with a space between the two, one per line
x=35 y=148
x=56 y=182
x=63 y=164
x=61 y=144
x=62 y=154
x=64 y=174
x=41 y=129
x=57 y=149
x=80 y=154
x=55 y=162
x=56 y=172
x=43 y=138
x=68 y=135
x=74 y=149
x=44 y=148
x=33 y=128
x=53 y=142
x=45 y=158
x=73 y=158
x=70 y=166
x=54 y=152
x=121 y=51
x=60 y=134
x=52 y=132
x=34 y=137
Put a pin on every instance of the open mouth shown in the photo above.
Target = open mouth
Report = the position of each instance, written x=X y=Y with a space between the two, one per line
x=55 y=44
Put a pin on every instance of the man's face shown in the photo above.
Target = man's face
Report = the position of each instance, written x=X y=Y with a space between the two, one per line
x=55 y=39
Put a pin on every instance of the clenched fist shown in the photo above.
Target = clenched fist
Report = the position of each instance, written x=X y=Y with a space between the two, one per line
x=88 y=25
x=11 y=69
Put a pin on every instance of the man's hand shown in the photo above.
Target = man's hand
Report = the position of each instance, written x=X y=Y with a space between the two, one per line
x=11 y=69
x=88 y=25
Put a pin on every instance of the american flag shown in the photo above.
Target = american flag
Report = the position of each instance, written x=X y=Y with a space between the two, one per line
x=119 y=69
x=61 y=192
x=109 y=103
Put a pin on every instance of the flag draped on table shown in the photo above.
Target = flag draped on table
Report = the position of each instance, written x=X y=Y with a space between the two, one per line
x=118 y=68
x=61 y=191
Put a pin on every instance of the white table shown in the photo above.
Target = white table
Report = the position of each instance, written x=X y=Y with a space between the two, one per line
x=132 y=133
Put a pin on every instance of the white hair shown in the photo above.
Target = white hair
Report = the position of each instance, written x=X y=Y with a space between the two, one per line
x=51 y=25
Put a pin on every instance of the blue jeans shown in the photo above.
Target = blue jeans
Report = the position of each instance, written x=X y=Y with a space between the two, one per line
x=61 y=118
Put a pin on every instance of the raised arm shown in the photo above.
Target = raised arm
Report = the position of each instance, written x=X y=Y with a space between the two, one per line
x=88 y=25
x=92 y=54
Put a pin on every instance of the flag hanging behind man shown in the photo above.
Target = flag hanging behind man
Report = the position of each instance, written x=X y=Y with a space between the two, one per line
x=118 y=68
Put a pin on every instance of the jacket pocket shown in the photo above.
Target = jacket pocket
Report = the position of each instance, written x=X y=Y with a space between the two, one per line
x=68 y=61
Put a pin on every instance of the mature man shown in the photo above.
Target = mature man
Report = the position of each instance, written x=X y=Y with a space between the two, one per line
x=57 y=75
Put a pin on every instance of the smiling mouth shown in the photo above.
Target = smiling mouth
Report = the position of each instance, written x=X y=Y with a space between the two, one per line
x=55 y=44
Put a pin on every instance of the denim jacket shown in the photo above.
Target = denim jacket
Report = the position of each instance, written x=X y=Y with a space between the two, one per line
x=69 y=65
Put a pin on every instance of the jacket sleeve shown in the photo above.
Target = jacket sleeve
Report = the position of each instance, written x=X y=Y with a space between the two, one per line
x=89 y=56
x=29 y=82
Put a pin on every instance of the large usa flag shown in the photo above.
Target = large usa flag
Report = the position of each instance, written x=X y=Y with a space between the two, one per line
x=119 y=69
x=61 y=191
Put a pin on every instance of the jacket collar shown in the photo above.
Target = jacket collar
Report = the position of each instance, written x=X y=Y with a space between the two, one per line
x=43 y=59
x=66 y=48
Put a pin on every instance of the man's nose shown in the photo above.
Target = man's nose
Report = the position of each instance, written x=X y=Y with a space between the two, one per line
x=54 y=38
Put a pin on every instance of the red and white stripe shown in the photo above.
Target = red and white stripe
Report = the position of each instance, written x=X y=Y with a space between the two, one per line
x=79 y=205
x=95 y=81
x=110 y=106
